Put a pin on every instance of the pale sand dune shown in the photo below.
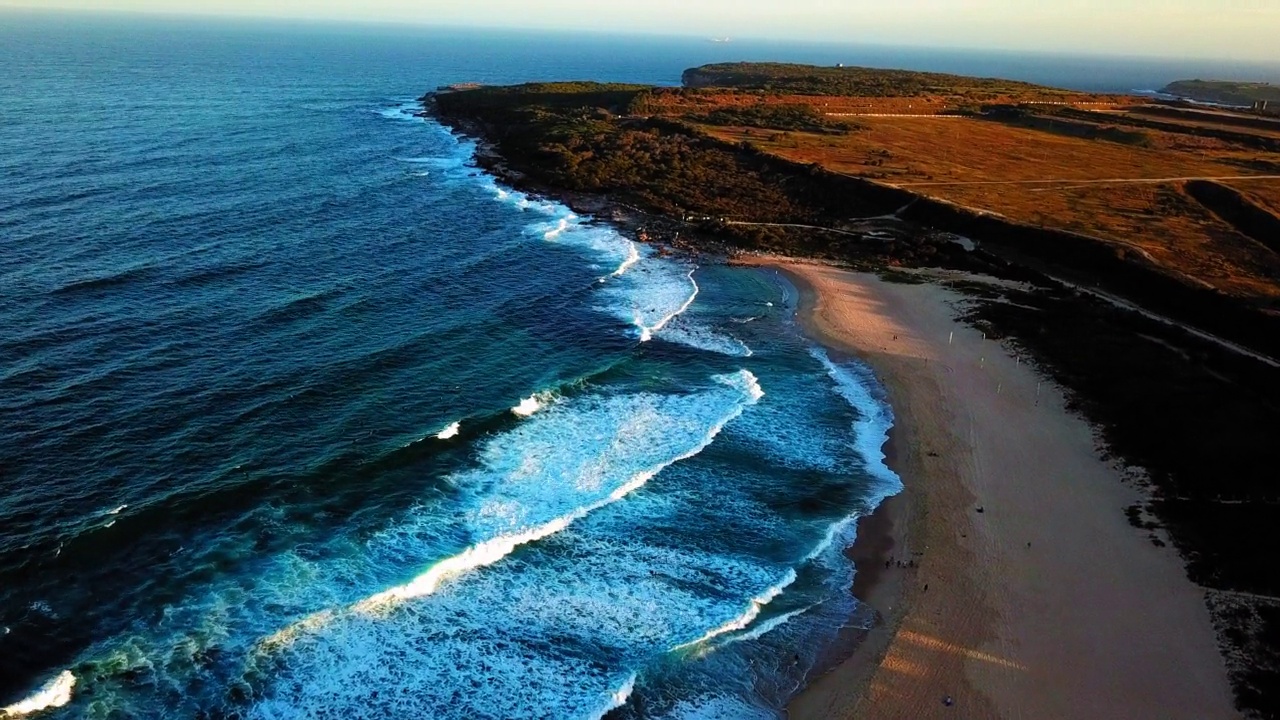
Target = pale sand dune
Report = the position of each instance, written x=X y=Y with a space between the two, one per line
x=1046 y=605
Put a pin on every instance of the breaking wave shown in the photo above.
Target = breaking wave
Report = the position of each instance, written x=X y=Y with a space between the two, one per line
x=532 y=404
x=756 y=604
x=587 y=468
x=53 y=694
x=535 y=482
x=860 y=389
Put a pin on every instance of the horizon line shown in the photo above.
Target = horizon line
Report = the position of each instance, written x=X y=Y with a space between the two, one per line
x=412 y=25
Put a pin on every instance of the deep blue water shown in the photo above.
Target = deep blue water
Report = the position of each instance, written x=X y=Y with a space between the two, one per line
x=301 y=415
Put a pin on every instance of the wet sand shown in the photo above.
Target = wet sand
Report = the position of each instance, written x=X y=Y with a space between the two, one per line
x=1034 y=597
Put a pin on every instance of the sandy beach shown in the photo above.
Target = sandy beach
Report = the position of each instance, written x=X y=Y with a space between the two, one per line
x=1033 y=596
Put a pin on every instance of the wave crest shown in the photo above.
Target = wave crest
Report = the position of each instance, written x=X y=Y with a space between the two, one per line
x=53 y=694
x=756 y=604
x=535 y=402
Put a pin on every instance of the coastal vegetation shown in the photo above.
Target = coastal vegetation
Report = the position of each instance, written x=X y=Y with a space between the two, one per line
x=801 y=118
x=666 y=165
x=1224 y=92
x=785 y=78
x=1100 y=203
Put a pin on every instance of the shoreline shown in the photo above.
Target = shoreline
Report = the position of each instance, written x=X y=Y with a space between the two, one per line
x=976 y=650
x=897 y=528
x=1034 y=596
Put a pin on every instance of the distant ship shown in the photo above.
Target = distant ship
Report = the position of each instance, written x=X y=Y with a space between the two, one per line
x=721 y=40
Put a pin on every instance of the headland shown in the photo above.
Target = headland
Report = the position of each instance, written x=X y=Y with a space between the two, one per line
x=1109 y=264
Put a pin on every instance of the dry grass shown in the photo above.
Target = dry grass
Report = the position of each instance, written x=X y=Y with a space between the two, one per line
x=1160 y=218
x=975 y=150
x=1265 y=194
x=1191 y=124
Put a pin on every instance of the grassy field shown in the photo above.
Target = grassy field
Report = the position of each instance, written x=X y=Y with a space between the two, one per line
x=1051 y=178
x=1220 y=122
x=1262 y=192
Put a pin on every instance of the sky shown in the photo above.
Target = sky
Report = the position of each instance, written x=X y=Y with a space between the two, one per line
x=1217 y=29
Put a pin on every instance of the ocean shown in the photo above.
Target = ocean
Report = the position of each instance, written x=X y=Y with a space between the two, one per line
x=304 y=416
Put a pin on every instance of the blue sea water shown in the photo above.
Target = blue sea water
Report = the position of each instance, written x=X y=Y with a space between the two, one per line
x=305 y=416
x=302 y=415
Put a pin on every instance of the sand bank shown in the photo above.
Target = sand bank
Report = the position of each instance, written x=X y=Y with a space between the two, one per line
x=1034 y=597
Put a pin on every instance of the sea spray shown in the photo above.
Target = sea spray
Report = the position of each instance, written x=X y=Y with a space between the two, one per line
x=53 y=694
x=617 y=698
x=532 y=404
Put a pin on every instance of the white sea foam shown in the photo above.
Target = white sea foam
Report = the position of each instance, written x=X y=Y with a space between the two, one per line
x=875 y=418
x=633 y=257
x=535 y=402
x=596 y=582
x=751 y=613
x=618 y=697
x=655 y=297
x=407 y=110
x=596 y=592
x=53 y=694
x=118 y=510
x=762 y=628
x=836 y=531
x=680 y=310
x=476 y=556
x=702 y=338
x=646 y=331
x=521 y=201
x=561 y=226
x=555 y=470
x=652 y=291
x=768 y=626
x=451 y=431
x=496 y=548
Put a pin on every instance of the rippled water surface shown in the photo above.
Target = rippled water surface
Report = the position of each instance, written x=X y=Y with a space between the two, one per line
x=301 y=415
